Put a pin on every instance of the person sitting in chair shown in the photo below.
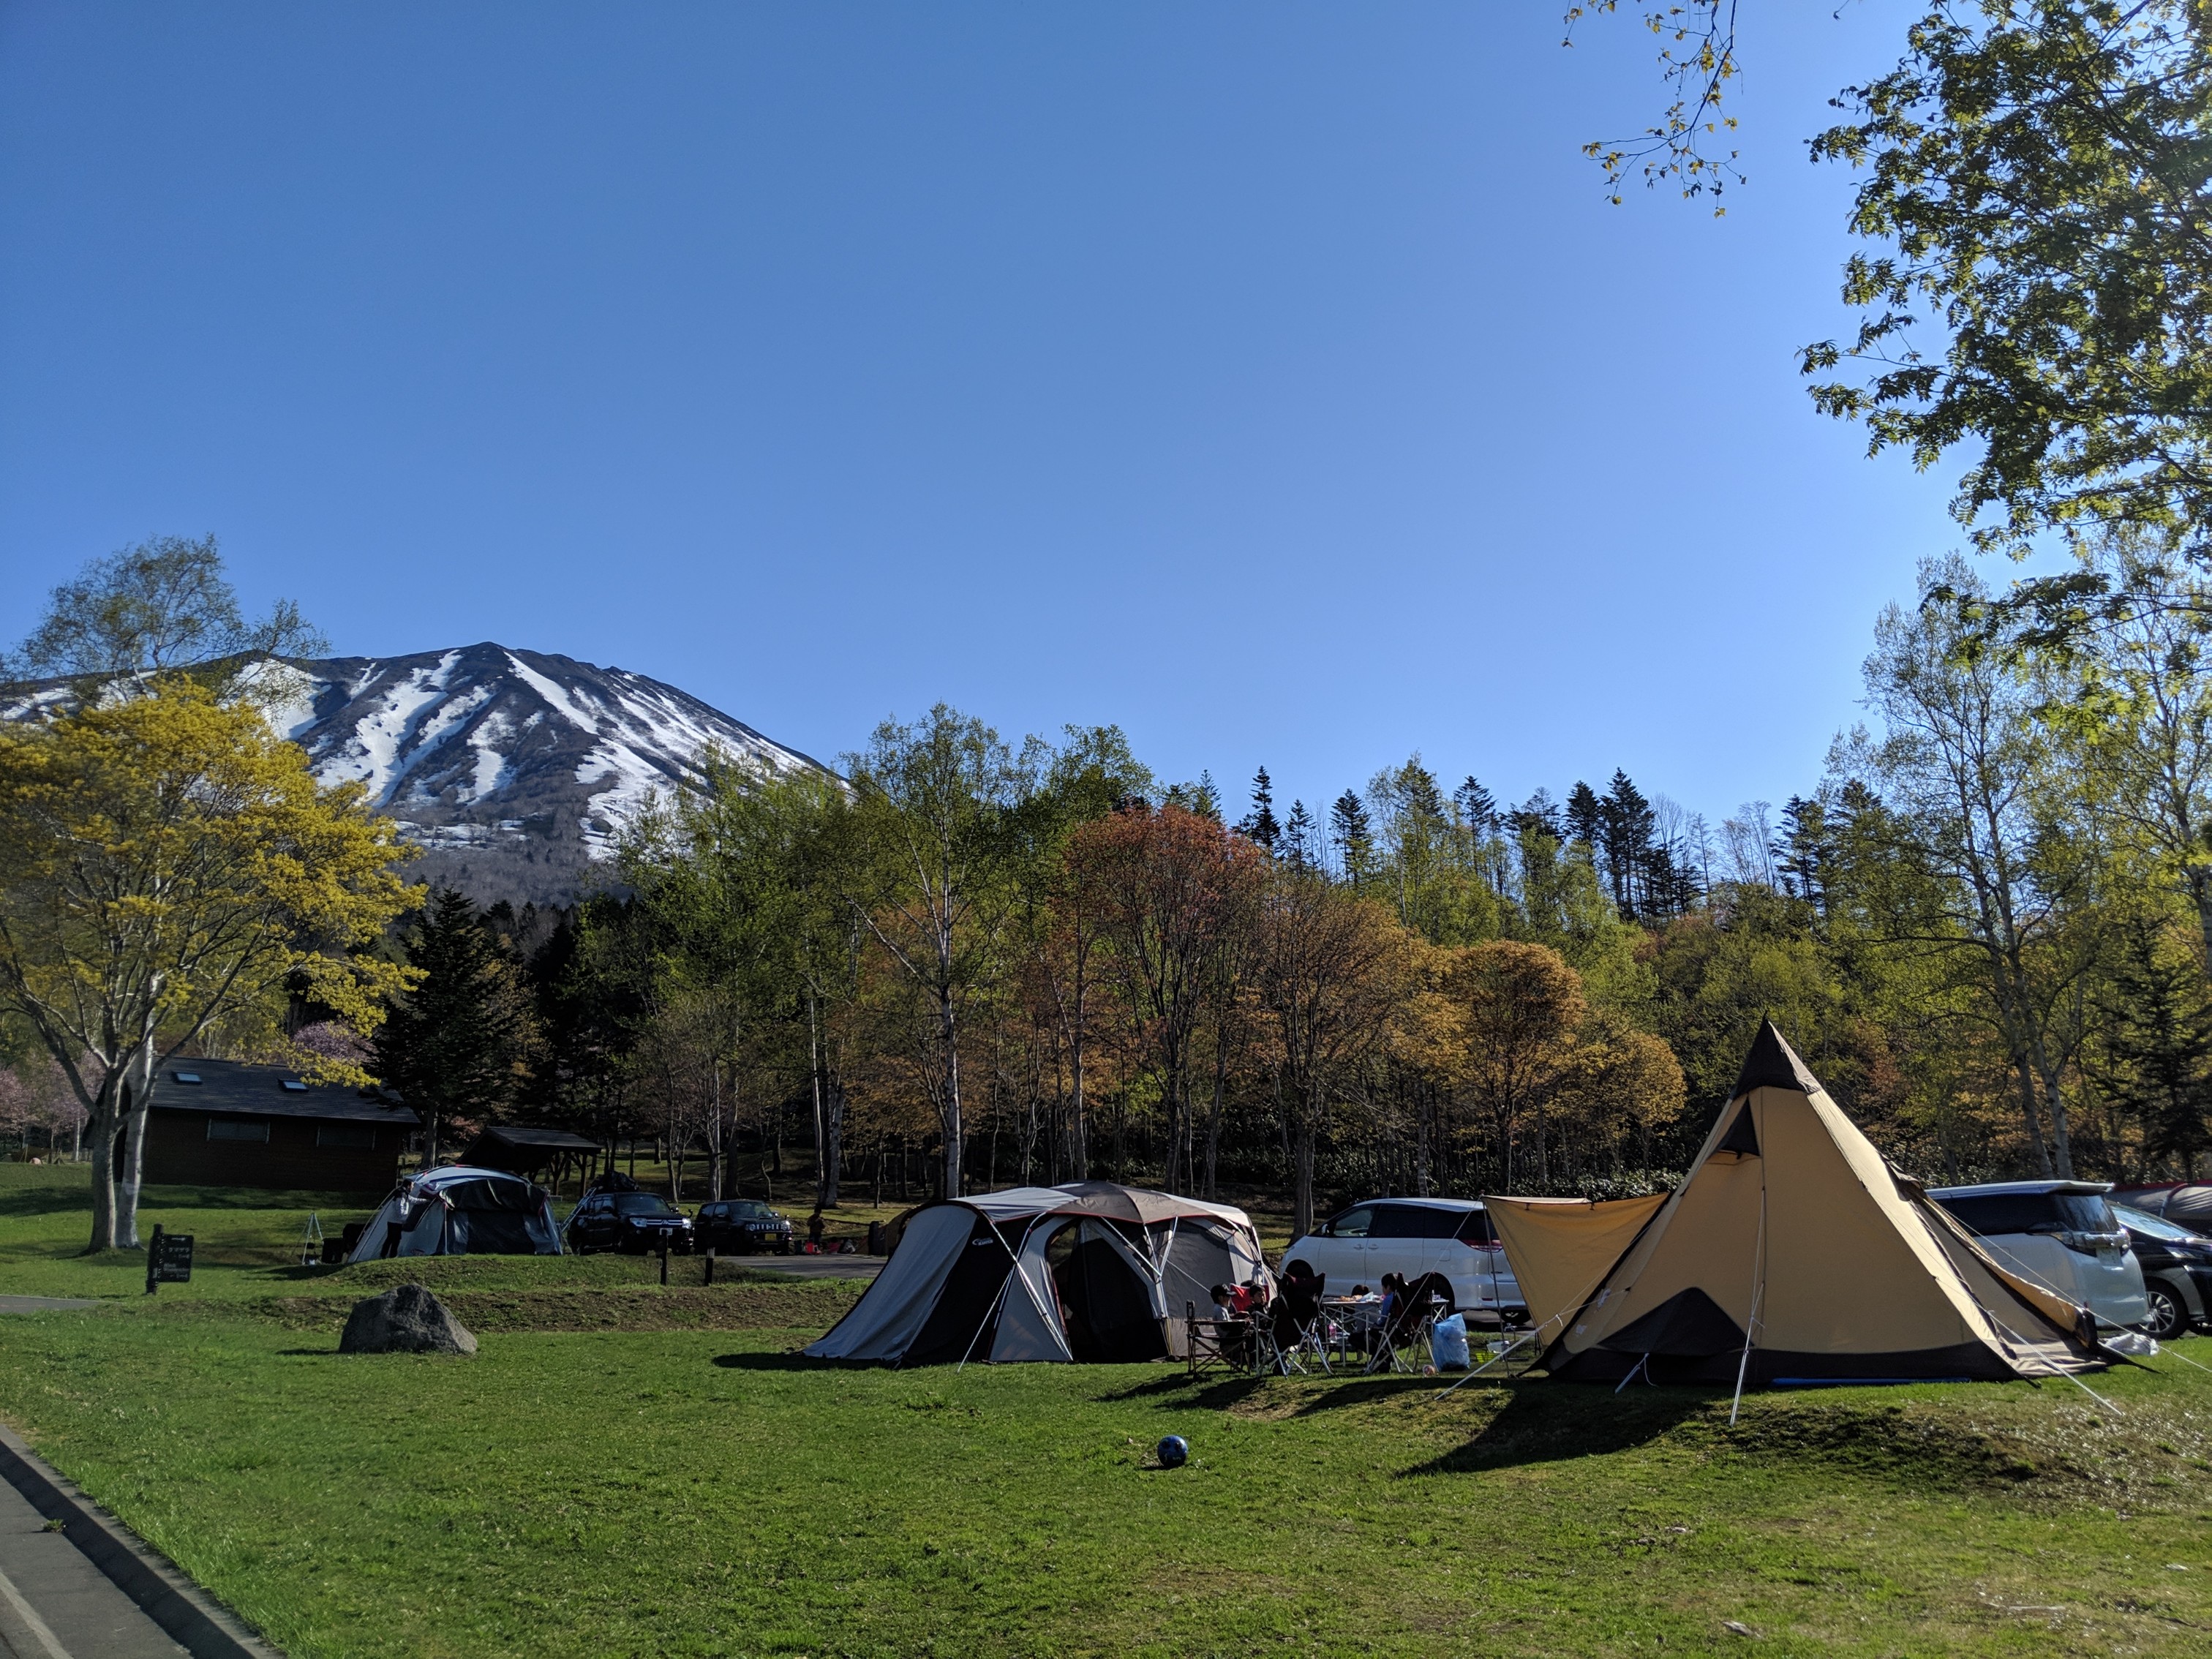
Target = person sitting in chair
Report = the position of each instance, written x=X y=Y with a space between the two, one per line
x=1237 y=1301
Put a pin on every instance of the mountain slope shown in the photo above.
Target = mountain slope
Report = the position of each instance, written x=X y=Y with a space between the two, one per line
x=511 y=769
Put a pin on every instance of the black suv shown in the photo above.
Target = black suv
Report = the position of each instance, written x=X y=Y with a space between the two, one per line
x=638 y=1222
x=2177 y=1268
x=741 y=1226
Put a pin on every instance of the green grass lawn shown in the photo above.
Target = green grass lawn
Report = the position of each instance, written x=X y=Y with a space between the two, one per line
x=629 y=1470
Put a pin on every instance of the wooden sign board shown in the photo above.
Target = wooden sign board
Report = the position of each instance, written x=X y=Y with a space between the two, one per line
x=169 y=1259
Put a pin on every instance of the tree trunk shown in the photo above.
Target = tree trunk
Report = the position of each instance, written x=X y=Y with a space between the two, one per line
x=1079 y=1133
x=2033 y=1117
x=1214 y=1123
x=1301 y=1202
x=134 y=1168
x=828 y=1116
x=832 y=1107
x=106 y=1134
x=948 y=1034
x=2062 y=1142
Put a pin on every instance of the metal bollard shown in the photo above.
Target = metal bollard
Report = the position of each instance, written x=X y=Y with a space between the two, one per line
x=664 y=1264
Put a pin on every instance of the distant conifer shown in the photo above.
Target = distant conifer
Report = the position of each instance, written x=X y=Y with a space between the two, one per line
x=1259 y=824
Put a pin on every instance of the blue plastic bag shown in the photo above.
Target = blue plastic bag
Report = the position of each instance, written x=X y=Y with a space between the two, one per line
x=1448 y=1344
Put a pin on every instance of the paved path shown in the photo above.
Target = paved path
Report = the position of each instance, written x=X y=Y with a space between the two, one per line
x=42 y=1303
x=55 y=1604
x=811 y=1267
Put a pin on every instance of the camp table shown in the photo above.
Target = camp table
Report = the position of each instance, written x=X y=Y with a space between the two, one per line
x=1350 y=1319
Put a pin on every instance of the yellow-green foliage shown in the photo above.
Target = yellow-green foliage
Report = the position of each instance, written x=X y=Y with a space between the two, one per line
x=167 y=862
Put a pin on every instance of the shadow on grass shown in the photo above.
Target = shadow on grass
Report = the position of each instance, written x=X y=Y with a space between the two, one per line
x=1548 y=1422
x=1215 y=1392
x=23 y=1201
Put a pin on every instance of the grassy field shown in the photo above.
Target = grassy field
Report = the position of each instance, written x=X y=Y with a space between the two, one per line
x=629 y=1470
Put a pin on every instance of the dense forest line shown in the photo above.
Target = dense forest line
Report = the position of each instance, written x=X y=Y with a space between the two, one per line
x=1985 y=927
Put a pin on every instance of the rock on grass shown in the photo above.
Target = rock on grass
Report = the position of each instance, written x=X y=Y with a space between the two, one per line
x=406 y=1319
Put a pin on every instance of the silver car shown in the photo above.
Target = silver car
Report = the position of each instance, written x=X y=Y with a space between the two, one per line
x=2061 y=1234
x=1413 y=1237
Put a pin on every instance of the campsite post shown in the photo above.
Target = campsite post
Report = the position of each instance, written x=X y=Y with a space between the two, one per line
x=710 y=1264
x=153 y=1257
x=664 y=1264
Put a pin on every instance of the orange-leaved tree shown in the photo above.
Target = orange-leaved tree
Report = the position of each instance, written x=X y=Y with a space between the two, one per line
x=1174 y=890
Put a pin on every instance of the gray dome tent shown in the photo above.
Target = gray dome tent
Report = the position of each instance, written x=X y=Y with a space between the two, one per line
x=1089 y=1272
x=461 y=1211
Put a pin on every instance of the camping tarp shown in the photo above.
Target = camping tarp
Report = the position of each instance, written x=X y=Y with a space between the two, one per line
x=1567 y=1245
x=1090 y=1272
x=1791 y=1252
x=461 y=1211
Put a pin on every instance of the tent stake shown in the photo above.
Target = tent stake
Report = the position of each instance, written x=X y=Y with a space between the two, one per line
x=1632 y=1370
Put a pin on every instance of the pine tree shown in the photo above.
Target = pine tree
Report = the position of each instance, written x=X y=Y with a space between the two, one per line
x=1206 y=797
x=1626 y=822
x=1299 y=835
x=2160 y=1042
x=1352 y=836
x=1538 y=815
x=1477 y=805
x=1417 y=793
x=1260 y=826
x=1802 y=853
x=1585 y=816
x=456 y=1045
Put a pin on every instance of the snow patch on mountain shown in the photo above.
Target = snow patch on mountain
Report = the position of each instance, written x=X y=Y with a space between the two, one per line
x=513 y=771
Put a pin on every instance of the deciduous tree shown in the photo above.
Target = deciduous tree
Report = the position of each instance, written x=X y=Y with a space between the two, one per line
x=166 y=864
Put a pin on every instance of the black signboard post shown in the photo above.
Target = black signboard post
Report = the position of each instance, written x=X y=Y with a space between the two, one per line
x=169 y=1260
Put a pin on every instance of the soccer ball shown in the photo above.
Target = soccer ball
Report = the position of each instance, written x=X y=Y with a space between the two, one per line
x=1173 y=1452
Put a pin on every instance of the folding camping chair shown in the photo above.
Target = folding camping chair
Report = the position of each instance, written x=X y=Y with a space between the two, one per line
x=1404 y=1342
x=1216 y=1341
x=1297 y=1328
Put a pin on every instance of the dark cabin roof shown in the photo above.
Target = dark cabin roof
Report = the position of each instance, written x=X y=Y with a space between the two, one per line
x=236 y=1089
x=558 y=1140
x=521 y=1149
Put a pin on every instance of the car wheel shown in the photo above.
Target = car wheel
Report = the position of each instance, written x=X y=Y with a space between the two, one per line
x=2168 y=1318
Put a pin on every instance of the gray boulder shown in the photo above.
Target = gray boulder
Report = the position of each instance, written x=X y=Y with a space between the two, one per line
x=406 y=1319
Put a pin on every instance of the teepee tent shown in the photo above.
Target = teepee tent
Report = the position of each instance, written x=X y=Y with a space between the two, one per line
x=1792 y=1253
x=1090 y=1272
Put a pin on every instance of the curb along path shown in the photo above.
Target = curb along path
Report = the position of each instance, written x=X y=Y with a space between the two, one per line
x=92 y=1588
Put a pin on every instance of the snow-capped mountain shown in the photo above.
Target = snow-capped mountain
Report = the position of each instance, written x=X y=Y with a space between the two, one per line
x=511 y=769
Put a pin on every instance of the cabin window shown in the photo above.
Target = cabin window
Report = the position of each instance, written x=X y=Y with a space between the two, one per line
x=238 y=1128
x=361 y=1136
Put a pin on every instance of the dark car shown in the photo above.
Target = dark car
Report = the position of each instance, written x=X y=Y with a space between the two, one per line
x=741 y=1226
x=639 y=1222
x=2177 y=1266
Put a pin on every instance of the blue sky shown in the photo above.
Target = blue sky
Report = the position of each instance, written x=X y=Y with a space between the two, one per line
x=1273 y=380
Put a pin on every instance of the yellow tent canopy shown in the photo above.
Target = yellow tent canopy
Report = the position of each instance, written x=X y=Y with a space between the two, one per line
x=1792 y=1252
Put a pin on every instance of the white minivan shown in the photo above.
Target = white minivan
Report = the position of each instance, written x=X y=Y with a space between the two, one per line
x=2061 y=1234
x=1413 y=1237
